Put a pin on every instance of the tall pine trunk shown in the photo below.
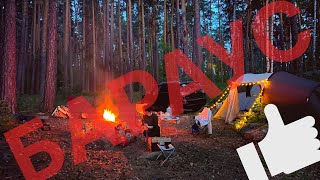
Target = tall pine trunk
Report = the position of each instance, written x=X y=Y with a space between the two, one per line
x=84 y=62
x=130 y=44
x=66 y=44
x=106 y=31
x=314 y=50
x=178 y=27
x=197 y=34
x=23 y=55
x=155 y=39
x=171 y=26
x=50 y=89
x=121 y=64
x=94 y=68
x=10 y=69
x=184 y=25
x=164 y=24
x=111 y=35
x=1 y=45
x=44 y=49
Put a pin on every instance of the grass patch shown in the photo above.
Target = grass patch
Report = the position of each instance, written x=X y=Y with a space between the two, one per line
x=28 y=103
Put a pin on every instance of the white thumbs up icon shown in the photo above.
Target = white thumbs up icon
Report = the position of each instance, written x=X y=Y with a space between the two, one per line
x=286 y=148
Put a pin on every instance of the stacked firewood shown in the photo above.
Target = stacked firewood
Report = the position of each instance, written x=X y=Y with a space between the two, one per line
x=61 y=112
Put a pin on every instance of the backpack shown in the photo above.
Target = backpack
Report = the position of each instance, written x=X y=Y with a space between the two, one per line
x=195 y=128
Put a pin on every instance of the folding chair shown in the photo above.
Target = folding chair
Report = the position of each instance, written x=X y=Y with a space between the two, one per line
x=163 y=149
x=204 y=121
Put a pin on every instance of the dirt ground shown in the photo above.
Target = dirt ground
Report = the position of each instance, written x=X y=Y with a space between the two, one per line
x=201 y=157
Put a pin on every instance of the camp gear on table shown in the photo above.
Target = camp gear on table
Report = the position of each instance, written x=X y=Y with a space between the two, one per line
x=153 y=141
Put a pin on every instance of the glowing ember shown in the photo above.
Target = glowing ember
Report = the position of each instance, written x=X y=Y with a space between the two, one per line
x=109 y=116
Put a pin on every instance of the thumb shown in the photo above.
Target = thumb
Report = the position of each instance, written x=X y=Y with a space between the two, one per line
x=273 y=116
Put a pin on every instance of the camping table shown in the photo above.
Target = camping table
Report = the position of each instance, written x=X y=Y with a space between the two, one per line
x=170 y=149
x=166 y=120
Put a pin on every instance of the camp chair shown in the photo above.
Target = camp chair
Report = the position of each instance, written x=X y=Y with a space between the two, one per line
x=170 y=149
x=204 y=121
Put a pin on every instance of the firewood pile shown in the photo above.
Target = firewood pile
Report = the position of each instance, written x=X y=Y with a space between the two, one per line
x=61 y=112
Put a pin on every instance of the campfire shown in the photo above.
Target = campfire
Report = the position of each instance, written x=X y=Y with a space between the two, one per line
x=109 y=116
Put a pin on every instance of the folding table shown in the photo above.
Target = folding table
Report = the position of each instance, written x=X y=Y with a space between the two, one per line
x=170 y=149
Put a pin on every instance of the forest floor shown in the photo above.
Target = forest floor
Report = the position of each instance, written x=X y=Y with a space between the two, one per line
x=200 y=157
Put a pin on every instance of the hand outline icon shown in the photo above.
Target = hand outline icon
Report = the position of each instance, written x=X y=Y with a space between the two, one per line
x=286 y=148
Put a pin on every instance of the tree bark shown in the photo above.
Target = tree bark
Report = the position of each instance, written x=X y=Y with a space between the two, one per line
x=34 y=49
x=66 y=44
x=1 y=49
x=314 y=50
x=111 y=34
x=84 y=62
x=9 y=55
x=130 y=43
x=185 y=30
x=221 y=41
x=44 y=49
x=165 y=25
x=94 y=49
x=106 y=31
x=171 y=26
x=155 y=37
x=178 y=23
x=197 y=31
x=50 y=89
x=23 y=55
x=120 y=38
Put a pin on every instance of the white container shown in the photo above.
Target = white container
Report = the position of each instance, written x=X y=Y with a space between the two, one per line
x=169 y=111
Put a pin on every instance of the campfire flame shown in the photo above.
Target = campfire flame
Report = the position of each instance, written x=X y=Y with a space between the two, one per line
x=109 y=116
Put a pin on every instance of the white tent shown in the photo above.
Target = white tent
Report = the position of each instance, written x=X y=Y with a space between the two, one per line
x=238 y=101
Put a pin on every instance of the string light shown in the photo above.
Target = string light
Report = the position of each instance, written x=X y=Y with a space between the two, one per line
x=265 y=81
x=225 y=93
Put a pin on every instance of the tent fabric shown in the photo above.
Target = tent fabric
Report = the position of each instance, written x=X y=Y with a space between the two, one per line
x=252 y=78
x=287 y=89
x=290 y=93
x=230 y=108
x=236 y=102
x=246 y=102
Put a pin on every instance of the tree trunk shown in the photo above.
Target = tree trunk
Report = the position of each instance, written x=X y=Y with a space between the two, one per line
x=94 y=69
x=66 y=44
x=111 y=35
x=143 y=50
x=171 y=26
x=248 y=39
x=130 y=42
x=197 y=34
x=34 y=51
x=164 y=25
x=106 y=31
x=267 y=45
x=185 y=30
x=314 y=50
x=23 y=55
x=50 y=89
x=1 y=45
x=221 y=41
x=155 y=37
x=9 y=55
x=120 y=38
x=84 y=61
x=272 y=40
x=178 y=23
x=44 y=49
